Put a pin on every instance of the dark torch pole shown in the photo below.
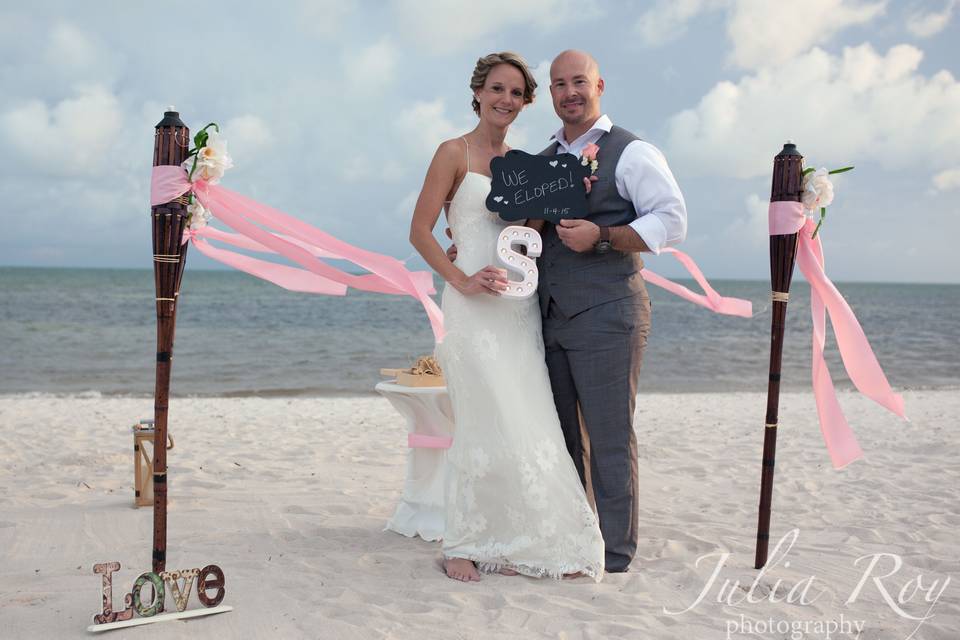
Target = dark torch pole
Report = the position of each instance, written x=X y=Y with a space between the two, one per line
x=171 y=144
x=786 y=187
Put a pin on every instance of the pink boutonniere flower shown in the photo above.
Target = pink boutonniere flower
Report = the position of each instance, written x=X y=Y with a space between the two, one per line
x=589 y=157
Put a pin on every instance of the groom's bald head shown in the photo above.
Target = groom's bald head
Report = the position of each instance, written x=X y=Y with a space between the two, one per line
x=581 y=59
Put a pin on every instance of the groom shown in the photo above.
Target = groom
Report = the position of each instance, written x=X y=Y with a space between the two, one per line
x=596 y=312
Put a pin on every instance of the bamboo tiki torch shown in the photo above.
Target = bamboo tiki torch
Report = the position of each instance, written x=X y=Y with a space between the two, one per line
x=171 y=143
x=786 y=187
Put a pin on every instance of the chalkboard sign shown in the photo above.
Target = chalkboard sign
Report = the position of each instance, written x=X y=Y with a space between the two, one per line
x=538 y=187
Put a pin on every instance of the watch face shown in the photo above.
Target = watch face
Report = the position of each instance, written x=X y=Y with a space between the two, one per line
x=603 y=246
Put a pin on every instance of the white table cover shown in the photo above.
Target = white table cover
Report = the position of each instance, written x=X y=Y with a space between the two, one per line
x=429 y=422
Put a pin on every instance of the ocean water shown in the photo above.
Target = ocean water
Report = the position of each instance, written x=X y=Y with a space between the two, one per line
x=68 y=331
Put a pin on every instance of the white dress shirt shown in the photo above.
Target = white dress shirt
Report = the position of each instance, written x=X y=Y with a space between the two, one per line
x=643 y=178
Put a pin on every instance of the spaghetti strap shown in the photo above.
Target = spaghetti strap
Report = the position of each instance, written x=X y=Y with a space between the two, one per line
x=468 y=152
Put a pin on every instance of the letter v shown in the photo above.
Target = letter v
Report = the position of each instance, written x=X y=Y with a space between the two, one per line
x=180 y=596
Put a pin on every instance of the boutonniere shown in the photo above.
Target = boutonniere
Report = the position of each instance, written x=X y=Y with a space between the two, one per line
x=588 y=157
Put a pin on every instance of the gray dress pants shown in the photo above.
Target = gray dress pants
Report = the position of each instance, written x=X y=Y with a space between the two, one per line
x=594 y=362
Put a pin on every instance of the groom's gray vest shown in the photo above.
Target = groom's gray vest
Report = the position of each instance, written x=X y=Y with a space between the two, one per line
x=579 y=281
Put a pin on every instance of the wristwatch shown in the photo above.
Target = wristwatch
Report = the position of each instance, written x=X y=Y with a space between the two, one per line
x=603 y=244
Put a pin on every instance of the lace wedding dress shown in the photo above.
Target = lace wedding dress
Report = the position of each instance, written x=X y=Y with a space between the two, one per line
x=513 y=497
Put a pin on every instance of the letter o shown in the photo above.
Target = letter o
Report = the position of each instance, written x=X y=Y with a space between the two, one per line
x=158 y=594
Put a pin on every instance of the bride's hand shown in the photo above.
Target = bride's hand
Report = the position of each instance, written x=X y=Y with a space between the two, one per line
x=490 y=280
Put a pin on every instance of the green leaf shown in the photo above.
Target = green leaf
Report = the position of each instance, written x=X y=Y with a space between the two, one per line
x=823 y=215
x=844 y=170
x=192 y=169
x=809 y=170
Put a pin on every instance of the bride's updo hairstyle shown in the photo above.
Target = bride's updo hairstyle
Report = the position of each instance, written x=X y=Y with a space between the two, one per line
x=486 y=63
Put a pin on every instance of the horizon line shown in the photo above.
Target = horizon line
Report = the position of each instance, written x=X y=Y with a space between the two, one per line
x=686 y=277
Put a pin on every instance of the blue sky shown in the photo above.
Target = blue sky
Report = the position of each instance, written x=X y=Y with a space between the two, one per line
x=332 y=111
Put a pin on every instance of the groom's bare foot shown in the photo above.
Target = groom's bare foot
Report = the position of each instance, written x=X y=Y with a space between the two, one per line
x=461 y=569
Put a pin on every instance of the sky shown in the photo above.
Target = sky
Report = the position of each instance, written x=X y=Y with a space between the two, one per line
x=333 y=109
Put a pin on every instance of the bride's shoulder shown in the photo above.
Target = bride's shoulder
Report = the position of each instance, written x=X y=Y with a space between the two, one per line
x=451 y=154
x=451 y=147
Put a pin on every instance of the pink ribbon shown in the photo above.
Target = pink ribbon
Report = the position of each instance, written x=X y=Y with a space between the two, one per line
x=858 y=358
x=304 y=244
x=423 y=441
x=712 y=300
x=295 y=240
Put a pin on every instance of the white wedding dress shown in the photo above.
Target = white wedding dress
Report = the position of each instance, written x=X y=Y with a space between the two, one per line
x=513 y=497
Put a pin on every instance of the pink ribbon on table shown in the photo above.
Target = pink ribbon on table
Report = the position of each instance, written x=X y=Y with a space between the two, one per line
x=858 y=358
x=295 y=240
x=423 y=441
x=711 y=300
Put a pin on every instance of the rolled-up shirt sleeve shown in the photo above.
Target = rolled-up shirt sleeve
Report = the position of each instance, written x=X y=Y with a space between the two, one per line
x=643 y=178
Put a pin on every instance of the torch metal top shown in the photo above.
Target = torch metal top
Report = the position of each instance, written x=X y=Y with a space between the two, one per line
x=789 y=149
x=170 y=119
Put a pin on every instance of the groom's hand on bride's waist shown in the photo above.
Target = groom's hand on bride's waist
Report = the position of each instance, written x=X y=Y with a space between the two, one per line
x=452 y=251
x=578 y=235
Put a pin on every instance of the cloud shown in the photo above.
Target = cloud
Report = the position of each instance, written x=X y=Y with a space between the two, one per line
x=761 y=33
x=765 y=33
x=247 y=135
x=850 y=108
x=404 y=208
x=380 y=169
x=72 y=137
x=444 y=27
x=750 y=229
x=925 y=24
x=69 y=46
x=373 y=68
x=424 y=125
x=947 y=180
x=324 y=17
x=668 y=19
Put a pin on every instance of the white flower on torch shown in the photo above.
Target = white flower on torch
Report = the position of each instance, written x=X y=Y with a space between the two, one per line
x=817 y=190
x=199 y=216
x=212 y=160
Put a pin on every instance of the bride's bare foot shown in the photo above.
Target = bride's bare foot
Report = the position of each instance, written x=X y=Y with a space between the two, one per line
x=571 y=576
x=461 y=569
x=508 y=572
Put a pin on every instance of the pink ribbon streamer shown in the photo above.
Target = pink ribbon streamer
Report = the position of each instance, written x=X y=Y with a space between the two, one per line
x=297 y=241
x=712 y=300
x=423 y=441
x=858 y=358
x=304 y=244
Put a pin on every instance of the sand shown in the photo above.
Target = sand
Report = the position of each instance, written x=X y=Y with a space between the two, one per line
x=290 y=496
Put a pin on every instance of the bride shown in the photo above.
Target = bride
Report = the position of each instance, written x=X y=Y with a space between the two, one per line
x=514 y=501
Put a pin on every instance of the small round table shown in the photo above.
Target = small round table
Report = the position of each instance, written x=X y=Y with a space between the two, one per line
x=429 y=435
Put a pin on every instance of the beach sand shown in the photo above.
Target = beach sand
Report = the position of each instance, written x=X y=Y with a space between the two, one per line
x=290 y=496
